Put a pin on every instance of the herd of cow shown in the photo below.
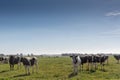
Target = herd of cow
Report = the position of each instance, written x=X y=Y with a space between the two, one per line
x=27 y=62
x=92 y=61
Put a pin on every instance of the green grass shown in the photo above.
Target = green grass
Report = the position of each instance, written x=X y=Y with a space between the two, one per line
x=60 y=69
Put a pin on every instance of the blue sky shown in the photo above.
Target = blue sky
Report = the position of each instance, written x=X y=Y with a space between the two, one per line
x=59 y=26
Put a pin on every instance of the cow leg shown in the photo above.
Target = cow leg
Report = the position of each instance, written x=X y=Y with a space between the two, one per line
x=33 y=69
x=10 y=67
x=18 y=66
x=91 y=66
x=95 y=66
x=13 y=67
x=35 y=66
x=25 y=69
x=75 y=70
x=2 y=61
x=88 y=66
x=82 y=67
x=103 y=66
x=28 y=67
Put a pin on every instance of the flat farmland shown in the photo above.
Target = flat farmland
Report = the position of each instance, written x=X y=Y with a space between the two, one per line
x=61 y=68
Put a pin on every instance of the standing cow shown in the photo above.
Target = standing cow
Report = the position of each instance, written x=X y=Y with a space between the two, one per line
x=29 y=62
x=117 y=57
x=76 y=62
x=14 y=60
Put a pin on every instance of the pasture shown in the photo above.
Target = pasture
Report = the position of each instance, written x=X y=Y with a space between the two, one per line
x=61 y=69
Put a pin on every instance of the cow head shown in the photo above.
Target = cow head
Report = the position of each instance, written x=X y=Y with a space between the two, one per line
x=74 y=58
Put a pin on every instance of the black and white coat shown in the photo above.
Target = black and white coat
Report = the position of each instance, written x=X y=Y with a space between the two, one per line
x=76 y=63
x=14 y=60
x=30 y=62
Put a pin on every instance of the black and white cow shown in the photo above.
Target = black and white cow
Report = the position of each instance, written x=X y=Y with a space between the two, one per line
x=83 y=60
x=117 y=57
x=76 y=62
x=92 y=60
x=14 y=60
x=29 y=62
x=102 y=60
x=4 y=59
x=1 y=58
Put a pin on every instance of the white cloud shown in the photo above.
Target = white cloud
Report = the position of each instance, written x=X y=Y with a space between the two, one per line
x=114 y=13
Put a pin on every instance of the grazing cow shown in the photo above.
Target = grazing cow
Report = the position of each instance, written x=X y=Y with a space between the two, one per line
x=29 y=61
x=91 y=60
x=94 y=59
x=4 y=59
x=117 y=57
x=83 y=60
x=87 y=59
x=1 y=59
x=76 y=62
x=101 y=58
x=14 y=60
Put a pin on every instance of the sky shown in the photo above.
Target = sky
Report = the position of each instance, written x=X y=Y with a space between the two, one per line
x=59 y=26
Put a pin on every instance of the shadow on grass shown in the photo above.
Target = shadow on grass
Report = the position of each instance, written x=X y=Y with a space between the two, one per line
x=92 y=71
x=103 y=70
x=71 y=75
x=4 y=71
x=21 y=75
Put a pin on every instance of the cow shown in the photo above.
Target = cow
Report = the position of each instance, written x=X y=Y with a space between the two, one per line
x=76 y=62
x=14 y=60
x=29 y=62
x=117 y=57
x=93 y=60
x=83 y=60
x=1 y=59
x=4 y=59
x=101 y=58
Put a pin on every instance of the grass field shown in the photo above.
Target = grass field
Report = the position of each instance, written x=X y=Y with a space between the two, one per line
x=60 y=69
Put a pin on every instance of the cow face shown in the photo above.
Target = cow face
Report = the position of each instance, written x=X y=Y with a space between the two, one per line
x=74 y=58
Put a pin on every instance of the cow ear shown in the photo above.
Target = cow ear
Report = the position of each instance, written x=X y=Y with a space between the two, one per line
x=33 y=58
x=75 y=56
